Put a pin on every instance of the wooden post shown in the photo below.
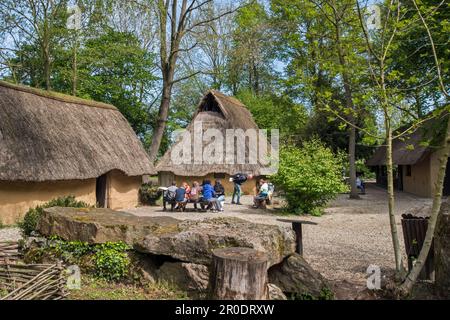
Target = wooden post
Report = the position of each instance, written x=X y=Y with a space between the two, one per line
x=239 y=274
x=297 y=227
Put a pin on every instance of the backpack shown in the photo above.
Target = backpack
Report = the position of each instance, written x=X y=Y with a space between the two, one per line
x=171 y=195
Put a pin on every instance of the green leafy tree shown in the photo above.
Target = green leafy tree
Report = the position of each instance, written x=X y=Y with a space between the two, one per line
x=273 y=112
x=322 y=44
x=250 y=63
x=310 y=176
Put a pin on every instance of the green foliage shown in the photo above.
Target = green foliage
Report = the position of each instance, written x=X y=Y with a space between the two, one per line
x=31 y=218
x=310 y=176
x=325 y=294
x=149 y=194
x=101 y=289
x=272 y=112
x=365 y=172
x=107 y=261
x=111 y=260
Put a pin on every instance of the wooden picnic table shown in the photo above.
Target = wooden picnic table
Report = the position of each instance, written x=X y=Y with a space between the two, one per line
x=297 y=227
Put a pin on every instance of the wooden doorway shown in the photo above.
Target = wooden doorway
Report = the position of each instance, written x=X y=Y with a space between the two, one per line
x=100 y=191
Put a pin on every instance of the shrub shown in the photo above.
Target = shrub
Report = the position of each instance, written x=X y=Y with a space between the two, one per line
x=31 y=218
x=149 y=194
x=111 y=260
x=310 y=176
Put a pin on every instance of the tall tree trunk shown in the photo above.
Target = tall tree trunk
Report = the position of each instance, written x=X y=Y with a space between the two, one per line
x=75 y=66
x=411 y=279
x=47 y=67
x=391 y=200
x=350 y=106
x=352 y=163
x=163 y=115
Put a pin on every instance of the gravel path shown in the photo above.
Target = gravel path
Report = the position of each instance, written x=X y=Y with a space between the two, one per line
x=350 y=236
x=10 y=234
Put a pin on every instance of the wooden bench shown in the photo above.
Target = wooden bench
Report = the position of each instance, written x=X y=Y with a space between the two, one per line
x=263 y=203
x=297 y=227
x=181 y=206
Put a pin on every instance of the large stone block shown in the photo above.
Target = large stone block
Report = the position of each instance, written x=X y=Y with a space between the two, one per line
x=94 y=225
x=296 y=278
x=196 y=239
x=186 y=241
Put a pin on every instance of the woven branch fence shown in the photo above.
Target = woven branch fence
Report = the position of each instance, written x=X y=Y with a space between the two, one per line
x=29 y=281
x=9 y=252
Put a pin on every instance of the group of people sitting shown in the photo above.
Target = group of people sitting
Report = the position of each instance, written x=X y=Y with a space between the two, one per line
x=211 y=197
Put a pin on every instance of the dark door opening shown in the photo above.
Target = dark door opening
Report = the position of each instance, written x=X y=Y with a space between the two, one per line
x=100 y=191
x=446 y=191
x=400 y=178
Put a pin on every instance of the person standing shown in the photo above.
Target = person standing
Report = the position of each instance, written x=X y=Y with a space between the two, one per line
x=220 y=193
x=238 y=179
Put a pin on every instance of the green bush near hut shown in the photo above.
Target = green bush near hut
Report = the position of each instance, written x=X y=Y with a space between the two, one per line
x=310 y=176
x=149 y=194
x=31 y=218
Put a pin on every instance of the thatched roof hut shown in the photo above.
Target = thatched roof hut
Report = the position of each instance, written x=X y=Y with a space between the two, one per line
x=50 y=137
x=46 y=136
x=217 y=111
x=415 y=156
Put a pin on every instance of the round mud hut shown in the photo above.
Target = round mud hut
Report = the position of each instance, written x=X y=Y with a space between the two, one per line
x=221 y=141
x=54 y=145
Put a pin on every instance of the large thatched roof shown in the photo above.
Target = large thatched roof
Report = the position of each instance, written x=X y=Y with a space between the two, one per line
x=48 y=136
x=219 y=111
x=415 y=146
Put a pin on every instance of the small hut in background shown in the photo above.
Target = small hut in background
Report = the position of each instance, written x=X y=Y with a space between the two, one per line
x=416 y=159
x=215 y=111
x=55 y=145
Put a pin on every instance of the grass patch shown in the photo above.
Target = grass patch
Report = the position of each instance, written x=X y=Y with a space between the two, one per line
x=99 y=289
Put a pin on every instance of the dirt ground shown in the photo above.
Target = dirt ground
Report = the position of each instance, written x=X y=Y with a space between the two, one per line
x=350 y=236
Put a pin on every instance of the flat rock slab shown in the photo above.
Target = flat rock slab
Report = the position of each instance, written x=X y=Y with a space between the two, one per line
x=197 y=239
x=95 y=225
x=187 y=241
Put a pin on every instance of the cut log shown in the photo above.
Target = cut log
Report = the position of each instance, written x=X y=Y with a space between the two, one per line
x=239 y=274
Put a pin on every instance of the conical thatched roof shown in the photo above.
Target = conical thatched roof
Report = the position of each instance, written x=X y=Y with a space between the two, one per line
x=219 y=111
x=47 y=136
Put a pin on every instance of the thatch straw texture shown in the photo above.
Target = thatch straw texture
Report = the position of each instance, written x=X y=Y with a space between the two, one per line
x=413 y=147
x=47 y=136
x=221 y=112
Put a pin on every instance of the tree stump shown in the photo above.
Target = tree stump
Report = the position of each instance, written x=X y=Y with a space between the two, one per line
x=239 y=274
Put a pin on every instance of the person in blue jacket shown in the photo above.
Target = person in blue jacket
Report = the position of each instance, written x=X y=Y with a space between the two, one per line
x=209 y=195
